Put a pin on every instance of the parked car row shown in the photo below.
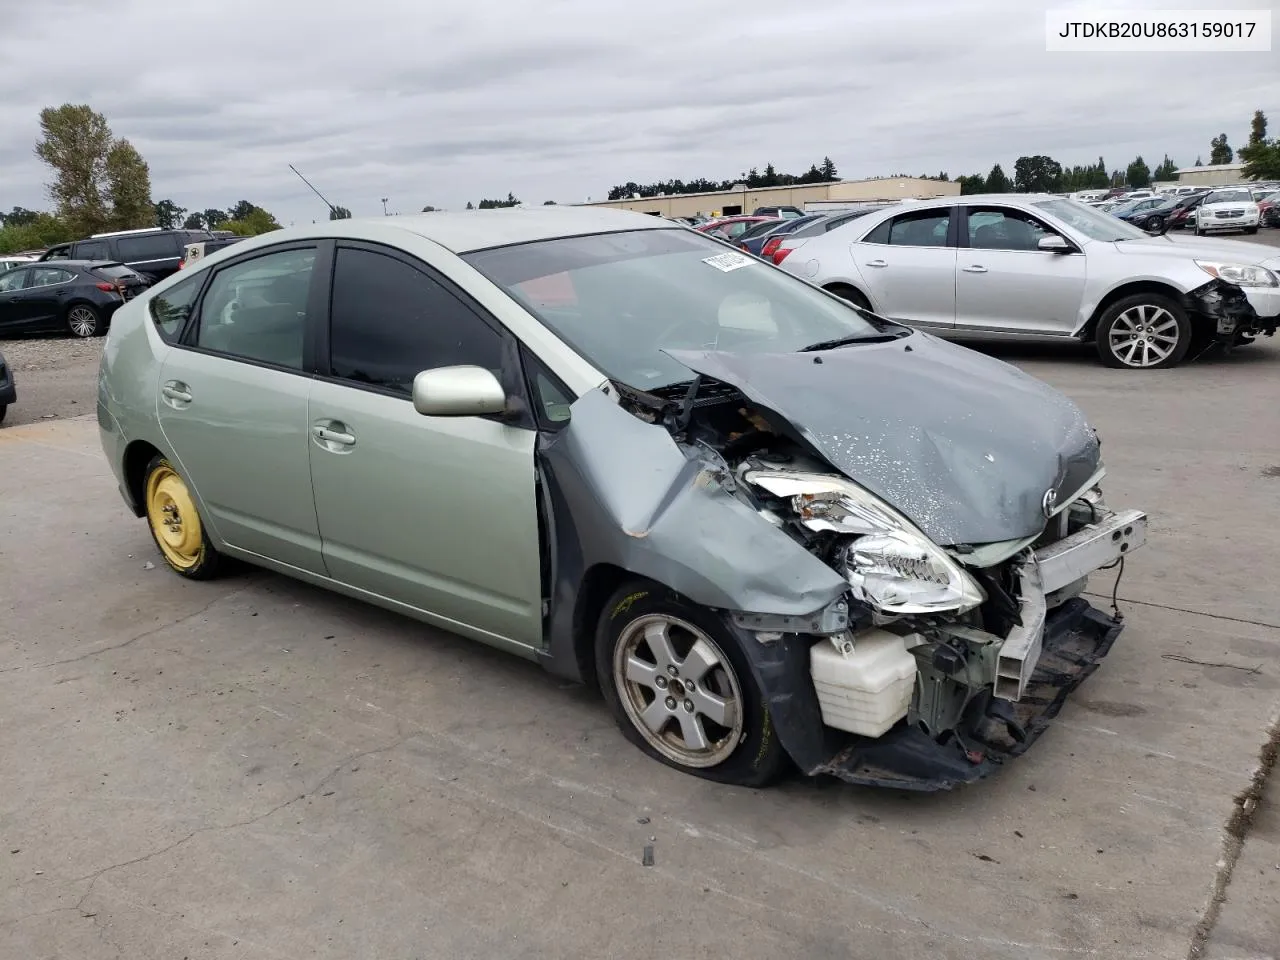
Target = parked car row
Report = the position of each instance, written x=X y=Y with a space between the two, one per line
x=1045 y=268
x=77 y=297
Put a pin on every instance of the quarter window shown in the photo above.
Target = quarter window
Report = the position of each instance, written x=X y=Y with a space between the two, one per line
x=390 y=321
x=999 y=228
x=170 y=310
x=257 y=309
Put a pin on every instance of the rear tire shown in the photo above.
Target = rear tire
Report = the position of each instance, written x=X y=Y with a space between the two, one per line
x=83 y=321
x=176 y=525
x=1147 y=331
x=681 y=689
x=1155 y=223
x=4 y=408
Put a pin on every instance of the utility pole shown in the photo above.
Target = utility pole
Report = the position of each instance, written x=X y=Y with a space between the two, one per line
x=384 y=206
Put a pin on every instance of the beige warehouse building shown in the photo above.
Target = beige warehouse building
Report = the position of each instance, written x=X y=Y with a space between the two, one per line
x=743 y=200
x=1213 y=175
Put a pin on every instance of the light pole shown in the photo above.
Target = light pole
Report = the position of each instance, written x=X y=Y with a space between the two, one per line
x=384 y=206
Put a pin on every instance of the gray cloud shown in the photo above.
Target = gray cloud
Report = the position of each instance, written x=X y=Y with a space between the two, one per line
x=561 y=99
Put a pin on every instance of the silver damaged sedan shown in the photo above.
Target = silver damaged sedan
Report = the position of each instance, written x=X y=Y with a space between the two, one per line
x=775 y=529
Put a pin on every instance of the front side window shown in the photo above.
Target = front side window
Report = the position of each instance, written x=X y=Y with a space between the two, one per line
x=170 y=310
x=389 y=321
x=621 y=299
x=1000 y=228
x=257 y=309
x=13 y=280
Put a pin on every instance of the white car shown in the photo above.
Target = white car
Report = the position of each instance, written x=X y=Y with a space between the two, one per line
x=1233 y=209
x=1037 y=267
x=12 y=263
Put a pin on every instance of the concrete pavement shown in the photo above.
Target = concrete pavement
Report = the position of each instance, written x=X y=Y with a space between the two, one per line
x=255 y=768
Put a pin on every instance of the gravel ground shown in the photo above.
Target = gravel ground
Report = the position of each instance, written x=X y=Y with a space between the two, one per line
x=55 y=377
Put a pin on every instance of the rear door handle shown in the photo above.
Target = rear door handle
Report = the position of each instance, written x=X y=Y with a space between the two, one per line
x=175 y=390
x=877 y=263
x=974 y=268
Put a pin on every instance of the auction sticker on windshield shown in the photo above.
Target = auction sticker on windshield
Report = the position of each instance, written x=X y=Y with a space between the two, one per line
x=725 y=262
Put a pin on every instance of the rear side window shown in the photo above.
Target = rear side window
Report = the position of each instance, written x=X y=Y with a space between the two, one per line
x=47 y=276
x=928 y=228
x=159 y=246
x=170 y=310
x=390 y=321
x=257 y=309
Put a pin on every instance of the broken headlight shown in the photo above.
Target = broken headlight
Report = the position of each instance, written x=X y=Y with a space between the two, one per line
x=1241 y=274
x=890 y=564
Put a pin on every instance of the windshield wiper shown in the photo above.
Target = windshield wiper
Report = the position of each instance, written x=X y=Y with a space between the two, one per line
x=849 y=341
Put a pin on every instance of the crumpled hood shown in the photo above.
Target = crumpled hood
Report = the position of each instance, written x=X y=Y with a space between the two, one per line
x=964 y=445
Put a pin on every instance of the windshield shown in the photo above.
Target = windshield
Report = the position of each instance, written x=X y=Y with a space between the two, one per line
x=619 y=299
x=1229 y=196
x=1092 y=223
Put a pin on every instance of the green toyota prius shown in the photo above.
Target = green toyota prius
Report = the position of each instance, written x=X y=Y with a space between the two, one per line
x=773 y=527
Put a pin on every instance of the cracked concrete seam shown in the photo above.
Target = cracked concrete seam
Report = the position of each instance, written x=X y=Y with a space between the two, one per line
x=1234 y=834
x=133 y=639
x=94 y=877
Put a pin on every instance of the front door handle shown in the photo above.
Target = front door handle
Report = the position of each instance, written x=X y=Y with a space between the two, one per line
x=974 y=268
x=877 y=263
x=177 y=390
x=332 y=434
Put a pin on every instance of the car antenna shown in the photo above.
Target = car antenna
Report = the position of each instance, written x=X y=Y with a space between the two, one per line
x=332 y=208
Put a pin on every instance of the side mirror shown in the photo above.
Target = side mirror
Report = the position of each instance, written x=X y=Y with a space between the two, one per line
x=461 y=391
x=1054 y=244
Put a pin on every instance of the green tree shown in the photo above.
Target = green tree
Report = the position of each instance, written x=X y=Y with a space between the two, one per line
x=1038 y=174
x=828 y=170
x=1199 y=162
x=472 y=206
x=19 y=217
x=255 y=221
x=1138 y=173
x=339 y=213
x=74 y=143
x=168 y=214
x=511 y=201
x=428 y=209
x=129 y=188
x=1219 y=150
x=34 y=233
x=974 y=183
x=997 y=182
x=1168 y=170
x=548 y=203
x=1258 y=128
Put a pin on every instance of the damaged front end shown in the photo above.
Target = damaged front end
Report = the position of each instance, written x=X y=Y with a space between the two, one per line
x=924 y=662
x=1229 y=319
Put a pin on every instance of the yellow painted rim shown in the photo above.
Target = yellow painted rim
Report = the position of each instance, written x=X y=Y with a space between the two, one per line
x=174 y=519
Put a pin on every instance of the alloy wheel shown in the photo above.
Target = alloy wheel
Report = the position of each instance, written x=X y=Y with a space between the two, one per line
x=679 y=690
x=1144 y=336
x=82 y=322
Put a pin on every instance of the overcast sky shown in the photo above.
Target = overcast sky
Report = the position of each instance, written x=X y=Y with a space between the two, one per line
x=435 y=103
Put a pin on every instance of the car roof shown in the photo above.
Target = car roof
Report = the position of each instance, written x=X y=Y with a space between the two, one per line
x=466 y=231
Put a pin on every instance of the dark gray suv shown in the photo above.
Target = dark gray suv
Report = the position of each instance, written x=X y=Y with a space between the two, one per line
x=152 y=252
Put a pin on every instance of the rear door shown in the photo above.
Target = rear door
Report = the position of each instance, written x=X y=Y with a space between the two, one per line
x=233 y=399
x=1006 y=284
x=155 y=255
x=437 y=513
x=908 y=264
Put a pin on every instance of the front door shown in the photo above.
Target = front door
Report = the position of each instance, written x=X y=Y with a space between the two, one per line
x=15 y=305
x=436 y=513
x=908 y=266
x=233 y=405
x=1006 y=284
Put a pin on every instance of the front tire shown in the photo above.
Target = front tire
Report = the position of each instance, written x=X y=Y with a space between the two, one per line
x=1155 y=223
x=1146 y=331
x=175 y=524
x=680 y=687
x=1250 y=230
